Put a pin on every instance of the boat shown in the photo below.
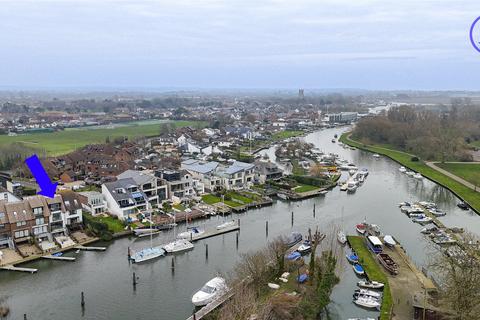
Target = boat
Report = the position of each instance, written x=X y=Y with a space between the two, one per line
x=463 y=205
x=428 y=230
x=437 y=213
x=358 y=269
x=352 y=257
x=282 y=196
x=422 y=220
x=376 y=155
x=368 y=293
x=387 y=262
x=333 y=140
x=367 y=302
x=344 y=187
x=191 y=233
x=147 y=254
x=293 y=239
x=402 y=169
x=352 y=172
x=335 y=136
x=294 y=256
x=410 y=173
x=144 y=231
x=302 y=278
x=210 y=292
x=323 y=192
x=58 y=254
x=418 y=176
x=361 y=228
x=178 y=246
x=305 y=247
x=153 y=233
x=341 y=237
x=351 y=188
x=389 y=241
x=227 y=224
x=166 y=226
x=370 y=284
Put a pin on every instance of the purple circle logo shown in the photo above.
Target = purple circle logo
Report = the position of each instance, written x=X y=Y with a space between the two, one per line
x=475 y=34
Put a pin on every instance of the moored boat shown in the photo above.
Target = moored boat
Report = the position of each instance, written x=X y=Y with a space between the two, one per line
x=209 y=292
x=178 y=246
x=227 y=224
x=147 y=254
x=361 y=228
x=387 y=262
x=305 y=247
x=367 y=302
x=341 y=237
x=358 y=269
x=402 y=169
x=352 y=257
x=370 y=284
x=389 y=241
x=368 y=293
x=293 y=239
x=191 y=233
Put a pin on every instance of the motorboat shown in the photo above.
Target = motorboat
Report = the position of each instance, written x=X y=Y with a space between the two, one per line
x=404 y=204
x=227 y=224
x=422 y=220
x=147 y=254
x=333 y=140
x=352 y=257
x=141 y=231
x=361 y=228
x=368 y=293
x=429 y=230
x=463 y=205
x=389 y=241
x=212 y=290
x=282 y=196
x=293 y=239
x=367 y=302
x=358 y=269
x=344 y=187
x=416 y=215
x=376 y=156
x=178 y=246
x=370 y=284
x=323 y=192
x=191 y=233
x=387 y=262
x=402 y=169
x=437 y=213
x=352 y=172
x=428 y=205
x=305 y=247
x=341 y=237
x=302 y=278
x=410 y=173
x=415 y=209
x=418 y=176
x=351 y=187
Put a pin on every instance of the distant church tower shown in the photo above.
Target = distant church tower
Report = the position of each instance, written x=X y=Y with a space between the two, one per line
x=301 y=96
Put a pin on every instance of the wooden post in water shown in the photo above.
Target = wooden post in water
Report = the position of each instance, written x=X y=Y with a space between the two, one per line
x=173 y=263
x=206 y=251
x=314 y=210
x=24 y=316
x=128 y=253
x=83 y=300
x=266 y=229
x=236 y=239
x=292 y=218
x=134 y=279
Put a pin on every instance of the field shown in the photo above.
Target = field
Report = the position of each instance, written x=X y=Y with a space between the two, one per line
x=61 y=142
x=282 y=135
x=404 y=158
x=476 y=143
x=467 y=171
x=304 y=188
x=373 y=271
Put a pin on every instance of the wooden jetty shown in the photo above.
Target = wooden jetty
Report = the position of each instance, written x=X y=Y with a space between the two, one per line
x=215 y=232
x=91 y=248
x=211 y=306
x=20 y=269
x=58 y=258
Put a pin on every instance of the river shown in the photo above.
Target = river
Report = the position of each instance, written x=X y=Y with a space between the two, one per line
x=106 y=277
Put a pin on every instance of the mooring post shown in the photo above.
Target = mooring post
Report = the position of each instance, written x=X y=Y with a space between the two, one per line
x=236 y=236
x=206 y=251
x=134 y=279
x=83 y=300
x=292 y=218
x=266 y=228
x=128 y=253
x=24 y=316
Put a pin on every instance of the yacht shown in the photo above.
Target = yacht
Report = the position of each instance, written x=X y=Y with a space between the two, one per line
x=227 y=224
x=209 y=292
x=191 y=233
x=147 y=254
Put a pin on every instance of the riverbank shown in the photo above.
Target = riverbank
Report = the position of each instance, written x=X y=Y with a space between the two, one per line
x=405 y=159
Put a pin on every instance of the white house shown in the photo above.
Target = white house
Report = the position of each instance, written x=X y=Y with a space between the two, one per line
x=93 y=202
x=124 y=198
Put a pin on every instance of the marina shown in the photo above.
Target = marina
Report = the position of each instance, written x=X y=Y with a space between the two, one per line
x=163 y=292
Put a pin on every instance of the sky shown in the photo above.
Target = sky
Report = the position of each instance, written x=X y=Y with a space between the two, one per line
x=377 y=45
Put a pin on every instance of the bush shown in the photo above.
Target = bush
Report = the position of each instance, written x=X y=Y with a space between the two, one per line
x=414 y=159
x=317 y=182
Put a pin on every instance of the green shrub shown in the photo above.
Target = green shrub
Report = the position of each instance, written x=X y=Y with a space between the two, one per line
x=414 y=159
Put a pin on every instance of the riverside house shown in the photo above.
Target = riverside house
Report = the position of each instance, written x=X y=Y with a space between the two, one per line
x=124 y=198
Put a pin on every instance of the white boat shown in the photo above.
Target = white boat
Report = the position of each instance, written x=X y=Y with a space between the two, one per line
x=352 y=172
x=410 y=173
x=367 y=302
x=418 y=176
x=146 y=231
x=368 y=293
x=147 y=254
x=402 y=169
x=389 y=241
x=282 y=196
x=437 y=213
x=153 y=233
x=341 y=237
x=191 y=233
x=351 y=187
x=227 y=224
x=178 y=245
x=422 y=220
x=323 y=192
x=305 y=247
x=376 y=155
x=344 y=187
x=370 y=284
x=212 y=290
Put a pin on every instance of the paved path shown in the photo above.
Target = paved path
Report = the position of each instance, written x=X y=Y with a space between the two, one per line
x=452 y=176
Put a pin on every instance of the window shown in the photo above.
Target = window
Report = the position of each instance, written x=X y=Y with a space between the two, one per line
x=2 y=215
x=21 y=234
x=38 y=211
x=39 y=221
x=21 y=223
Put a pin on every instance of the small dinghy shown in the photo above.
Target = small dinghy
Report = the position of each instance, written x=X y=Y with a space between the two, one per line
x=370 y=284
x=361 y=228
x=368 y=293
x=358 y=269
x=463 y=205
x=402 y=169
x=305 y=247
x=341 y=237
x=352 y=257
x=389 y=241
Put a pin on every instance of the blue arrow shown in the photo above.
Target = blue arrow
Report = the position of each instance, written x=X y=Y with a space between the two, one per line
x=48 y=188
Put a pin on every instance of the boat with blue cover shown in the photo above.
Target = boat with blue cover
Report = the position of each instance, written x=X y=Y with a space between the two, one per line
x=352 y=257
x=294 y=256
x=358 y=269
x=302 y=278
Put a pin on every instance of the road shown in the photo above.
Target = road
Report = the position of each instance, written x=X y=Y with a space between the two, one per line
x=451 y=175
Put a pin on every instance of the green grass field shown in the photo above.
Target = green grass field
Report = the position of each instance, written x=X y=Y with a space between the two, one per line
x=114 y=225
x=304 y=188
x=374 y=272
x=467 y=171
x=282 y=135
x=476 y=143
x=467 y=194
x=61 y=142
